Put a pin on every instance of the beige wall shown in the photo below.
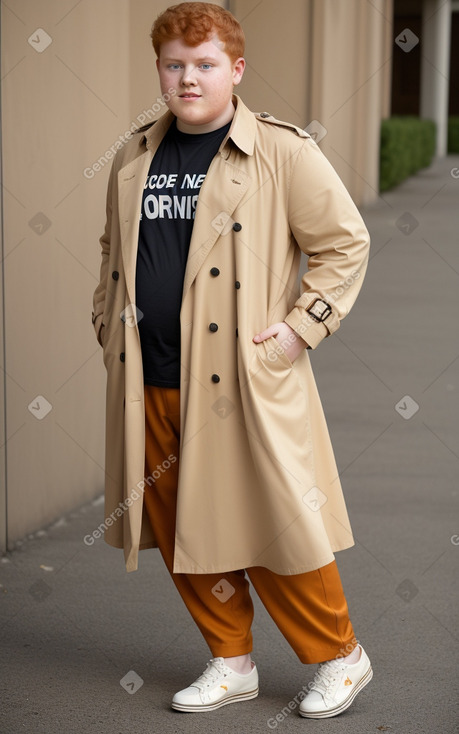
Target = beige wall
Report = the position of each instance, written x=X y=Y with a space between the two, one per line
x=2 y=392
x=277 y=43
x=324 y=60
x=350 y=47
x=62 y=109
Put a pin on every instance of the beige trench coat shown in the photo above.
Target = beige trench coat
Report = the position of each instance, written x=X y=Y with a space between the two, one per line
x=258 y=484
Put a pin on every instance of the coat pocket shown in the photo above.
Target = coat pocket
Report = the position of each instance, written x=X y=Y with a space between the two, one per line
x=271 y=355
x=277 y=415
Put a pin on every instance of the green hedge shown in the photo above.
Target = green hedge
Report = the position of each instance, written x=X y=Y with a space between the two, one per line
x=453 y=135
x=407 y=144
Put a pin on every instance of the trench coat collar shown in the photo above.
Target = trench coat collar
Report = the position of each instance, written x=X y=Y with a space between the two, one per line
x=242 y=131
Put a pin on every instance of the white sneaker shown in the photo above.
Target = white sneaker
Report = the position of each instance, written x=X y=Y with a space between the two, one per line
x=335 y=686
x=217 y=686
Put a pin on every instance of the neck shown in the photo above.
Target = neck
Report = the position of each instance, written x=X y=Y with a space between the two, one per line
x=207 y=127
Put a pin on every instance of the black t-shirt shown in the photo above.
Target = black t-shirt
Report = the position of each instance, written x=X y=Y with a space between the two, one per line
x=176 y=174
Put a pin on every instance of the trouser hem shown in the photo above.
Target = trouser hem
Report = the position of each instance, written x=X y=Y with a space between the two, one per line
x=309 y=657
x=230 y=651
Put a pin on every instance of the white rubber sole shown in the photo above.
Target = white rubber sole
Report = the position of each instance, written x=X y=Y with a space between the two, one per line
x=212 y=706
x=345 y=704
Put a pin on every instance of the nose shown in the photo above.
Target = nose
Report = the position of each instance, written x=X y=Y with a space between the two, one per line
x=188 y=76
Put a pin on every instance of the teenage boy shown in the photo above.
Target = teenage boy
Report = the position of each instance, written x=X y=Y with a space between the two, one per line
x=216 y=440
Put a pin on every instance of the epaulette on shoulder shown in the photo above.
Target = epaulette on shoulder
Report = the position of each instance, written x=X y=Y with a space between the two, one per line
x=146 y=127
x=267 y=117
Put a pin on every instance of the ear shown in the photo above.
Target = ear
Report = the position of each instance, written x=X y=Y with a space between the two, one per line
x=238 y=70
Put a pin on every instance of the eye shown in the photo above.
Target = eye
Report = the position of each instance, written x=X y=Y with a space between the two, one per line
x=206 y=66
x=173 y=66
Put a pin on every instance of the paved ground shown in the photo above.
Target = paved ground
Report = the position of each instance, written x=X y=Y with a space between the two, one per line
x=73 y=623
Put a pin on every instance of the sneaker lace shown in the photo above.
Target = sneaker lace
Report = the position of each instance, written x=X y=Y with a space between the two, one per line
x=325 y=677
x=213 y=672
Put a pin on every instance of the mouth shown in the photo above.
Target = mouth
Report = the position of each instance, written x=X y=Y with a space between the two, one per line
x=189 y=95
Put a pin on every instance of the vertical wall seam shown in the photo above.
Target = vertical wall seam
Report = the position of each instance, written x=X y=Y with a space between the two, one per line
x=3 y=494
x=310 y=56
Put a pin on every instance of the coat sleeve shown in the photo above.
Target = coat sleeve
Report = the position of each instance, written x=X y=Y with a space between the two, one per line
x=100 y=292
x=329 y=229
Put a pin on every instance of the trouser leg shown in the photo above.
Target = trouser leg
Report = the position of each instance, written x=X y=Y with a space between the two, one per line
x=310 y=610
x=220 y=604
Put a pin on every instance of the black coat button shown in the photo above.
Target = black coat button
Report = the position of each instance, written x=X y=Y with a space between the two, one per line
x=214 y=272
x=237 y=227
x=115 y=275
x=215 y=378
x=122 y=356
x=213 y=327
x=237 y=285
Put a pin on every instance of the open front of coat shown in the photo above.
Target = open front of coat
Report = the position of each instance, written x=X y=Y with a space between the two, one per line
x=258 y=483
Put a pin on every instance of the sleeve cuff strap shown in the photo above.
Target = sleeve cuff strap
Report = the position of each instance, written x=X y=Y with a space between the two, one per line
x=312 y=332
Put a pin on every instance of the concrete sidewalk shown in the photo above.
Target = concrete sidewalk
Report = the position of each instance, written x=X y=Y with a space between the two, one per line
x=74 y=624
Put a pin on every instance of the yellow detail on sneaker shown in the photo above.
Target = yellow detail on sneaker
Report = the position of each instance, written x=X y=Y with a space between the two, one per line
x=225 y=687
x=348 y=682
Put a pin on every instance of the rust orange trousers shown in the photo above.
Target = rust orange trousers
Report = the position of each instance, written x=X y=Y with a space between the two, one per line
x=310 y=609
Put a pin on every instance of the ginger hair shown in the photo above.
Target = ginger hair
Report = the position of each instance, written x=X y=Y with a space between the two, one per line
x=197 y=22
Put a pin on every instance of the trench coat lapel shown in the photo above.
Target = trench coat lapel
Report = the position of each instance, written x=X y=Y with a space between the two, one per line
x=131 y=182
x=216 y=203
x=221 y=192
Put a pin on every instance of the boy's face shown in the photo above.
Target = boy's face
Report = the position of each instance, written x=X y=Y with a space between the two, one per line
x=203 y=77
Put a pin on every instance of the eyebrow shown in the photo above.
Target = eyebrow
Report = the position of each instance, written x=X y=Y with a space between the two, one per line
x=204 y=58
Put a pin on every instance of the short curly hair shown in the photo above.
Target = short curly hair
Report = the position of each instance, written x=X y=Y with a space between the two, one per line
x=196 y=22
